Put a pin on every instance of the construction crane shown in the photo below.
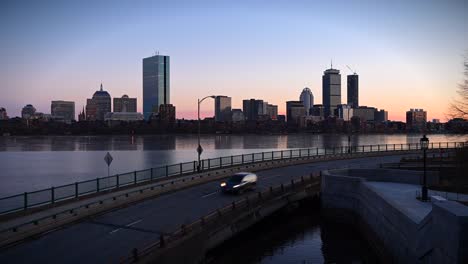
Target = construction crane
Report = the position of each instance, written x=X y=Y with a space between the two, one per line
x=351 y=70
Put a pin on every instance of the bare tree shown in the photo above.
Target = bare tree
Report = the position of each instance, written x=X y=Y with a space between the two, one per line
x=459 y=106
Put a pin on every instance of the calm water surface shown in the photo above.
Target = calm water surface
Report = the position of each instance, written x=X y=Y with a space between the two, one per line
x=33 y=163
x=301 y=236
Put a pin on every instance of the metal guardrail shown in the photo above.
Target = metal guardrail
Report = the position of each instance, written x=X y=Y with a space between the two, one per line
x=229 y=212
x=75 y=190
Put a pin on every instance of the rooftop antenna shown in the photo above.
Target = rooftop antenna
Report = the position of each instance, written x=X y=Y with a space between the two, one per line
x=101 y=87
x=354 y=72
x=331 y=64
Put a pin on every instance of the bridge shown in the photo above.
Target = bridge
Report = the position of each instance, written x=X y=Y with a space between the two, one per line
x=121 y=220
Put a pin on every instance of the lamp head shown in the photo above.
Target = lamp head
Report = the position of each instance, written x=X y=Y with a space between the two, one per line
x=424 y=141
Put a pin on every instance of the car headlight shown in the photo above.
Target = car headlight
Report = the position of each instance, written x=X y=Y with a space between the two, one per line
x=223 y=184
x=236 y=186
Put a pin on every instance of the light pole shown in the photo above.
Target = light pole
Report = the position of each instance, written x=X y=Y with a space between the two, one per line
x=199 y=148
x=424 y=141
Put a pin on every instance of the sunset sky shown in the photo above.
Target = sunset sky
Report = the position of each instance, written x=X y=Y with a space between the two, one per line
x=409 y=54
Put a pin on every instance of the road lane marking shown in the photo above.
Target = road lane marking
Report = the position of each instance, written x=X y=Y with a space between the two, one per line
x=209 y=194
x=129 y=225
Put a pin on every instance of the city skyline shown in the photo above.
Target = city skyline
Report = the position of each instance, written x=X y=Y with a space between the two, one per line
x=238 y=56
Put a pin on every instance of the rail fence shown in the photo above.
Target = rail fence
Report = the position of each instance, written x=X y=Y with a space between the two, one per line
x=75 y=190
x=224 y=214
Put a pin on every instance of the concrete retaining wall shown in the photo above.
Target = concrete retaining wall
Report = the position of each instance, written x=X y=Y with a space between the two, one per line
x=441 y=237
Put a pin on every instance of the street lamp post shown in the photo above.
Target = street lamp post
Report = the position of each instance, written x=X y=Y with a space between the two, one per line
x=424 y=141
x=199 y=148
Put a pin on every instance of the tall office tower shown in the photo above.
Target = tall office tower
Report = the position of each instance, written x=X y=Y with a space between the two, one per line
x=156 y=85
x=294 y=111
x=125 y=104
x=28 y=111
x=63 y=109
x=416 y=119
x=307 y=99
x=98 y=106
x=331 y=91
x=353 y=90
x=254 y=108
x=223 y=109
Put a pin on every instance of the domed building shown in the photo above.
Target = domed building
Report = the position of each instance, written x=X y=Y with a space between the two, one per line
x=98 y=106
x=307 y=99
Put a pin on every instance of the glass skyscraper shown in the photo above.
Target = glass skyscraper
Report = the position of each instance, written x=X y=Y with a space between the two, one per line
x=156 y=85
x=331 y=90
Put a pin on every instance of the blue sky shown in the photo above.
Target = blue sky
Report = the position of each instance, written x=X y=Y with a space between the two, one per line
x=409 y=54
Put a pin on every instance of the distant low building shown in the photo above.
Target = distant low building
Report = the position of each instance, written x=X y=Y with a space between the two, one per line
x=237 y=116
x=416 y=119
x=294 y=111
x=98 y=106
x=28 y=111
x=317 y=110
x=272 y=111
x=365 y=113
x=345 y=112
x=167 y=113
x=125 y=104
x=64 y=110
x=123 y=117
x=3 y=114
x=381 y=116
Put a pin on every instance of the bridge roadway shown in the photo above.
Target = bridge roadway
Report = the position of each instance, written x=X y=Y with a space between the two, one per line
x=110 y=237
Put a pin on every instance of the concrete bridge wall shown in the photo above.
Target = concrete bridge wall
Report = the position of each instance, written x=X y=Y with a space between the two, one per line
x=440 y=237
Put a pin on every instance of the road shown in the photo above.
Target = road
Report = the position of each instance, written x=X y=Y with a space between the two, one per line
x=110 y=237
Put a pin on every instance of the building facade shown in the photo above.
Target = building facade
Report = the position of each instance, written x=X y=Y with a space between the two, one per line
x=307 y=99
x=64 y=110
x=28 y=111
x=365 y=113
x=294 y=111
x=331 y=91
x=381 y=116
x=156 y=84
x=3 y=114
x=272 y=111
x=253 y=109
x=167 y=113
x=345 y=112
x=416 y=119
x=98 y=106
x=353 y=90
x=223 y=109
x=125 y=104
x=237 y=115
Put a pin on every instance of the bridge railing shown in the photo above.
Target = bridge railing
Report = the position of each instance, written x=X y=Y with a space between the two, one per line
x=76 y=190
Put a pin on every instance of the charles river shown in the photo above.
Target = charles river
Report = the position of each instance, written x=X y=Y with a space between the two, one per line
x=33 y=163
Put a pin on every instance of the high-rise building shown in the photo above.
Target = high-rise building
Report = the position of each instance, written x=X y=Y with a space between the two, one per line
x=416 y=119
x=254 y=108
x=307 y=99
x=3 y=114
x=331 y=91
x=64 y=110
x=272 y=111
x=28 y=111
x=125 y=104
x=156 y=84
x=223 y=109
x=294 y=111
x=98 y=106
x=353 y=90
